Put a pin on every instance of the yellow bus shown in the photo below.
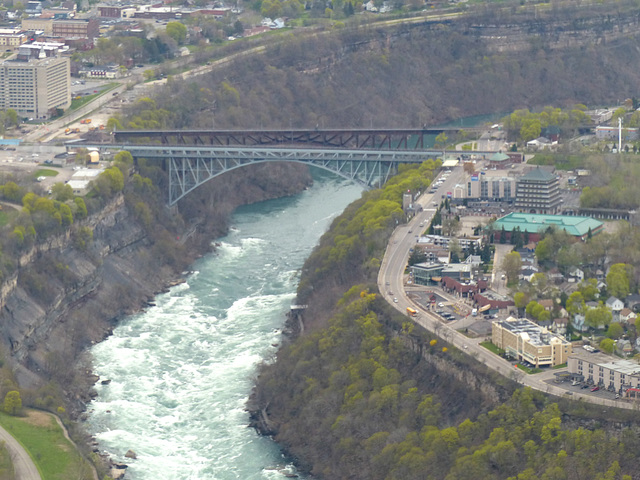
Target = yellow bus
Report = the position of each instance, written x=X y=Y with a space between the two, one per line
x=411 y=311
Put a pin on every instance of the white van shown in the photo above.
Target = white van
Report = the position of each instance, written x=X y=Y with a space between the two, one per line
x=474 y=312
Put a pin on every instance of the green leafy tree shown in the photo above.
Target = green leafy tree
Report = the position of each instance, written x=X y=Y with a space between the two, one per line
x=441 y=139
x=615 y=331
x=512 y=265
x=576 y=304
x=589 y=289
x=531 y=128
x=599 y=317
x=520 y=300
x=177 y=31
x=12 y=192
x=12 y=403
x=618 y=280
x=544 y=250
x=123 y=157
x=62 y=192
x=81 y=208
x=607 y=345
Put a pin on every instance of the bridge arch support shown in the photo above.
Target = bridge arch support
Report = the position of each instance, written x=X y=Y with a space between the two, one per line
x=191 y=166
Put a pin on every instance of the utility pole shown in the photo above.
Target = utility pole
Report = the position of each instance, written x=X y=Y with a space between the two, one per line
x=619 y=134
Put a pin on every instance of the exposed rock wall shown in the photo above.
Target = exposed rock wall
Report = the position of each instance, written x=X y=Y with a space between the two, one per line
x=117 y=274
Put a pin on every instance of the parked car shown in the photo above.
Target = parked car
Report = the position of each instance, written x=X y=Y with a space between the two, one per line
x=595 y=389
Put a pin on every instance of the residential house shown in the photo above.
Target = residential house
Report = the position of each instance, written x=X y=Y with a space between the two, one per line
x=615 y=305
x=473 y=260
x=627 y=316
x=555 y=276
x=633 y=302
x=560 y=325
x=578 y=323
x=527 y=273
x=624 y=347
x=540 y=143
x=576 y=274
x=547 y=304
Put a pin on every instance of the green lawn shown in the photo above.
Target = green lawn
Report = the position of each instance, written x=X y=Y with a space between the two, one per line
x=559 y=366
x=528 y=370
x=77 y=103
x=45 y=172
x=55 y=457
x=492 y=348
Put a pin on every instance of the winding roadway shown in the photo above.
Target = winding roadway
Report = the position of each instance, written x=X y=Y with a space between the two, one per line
x=23 y=465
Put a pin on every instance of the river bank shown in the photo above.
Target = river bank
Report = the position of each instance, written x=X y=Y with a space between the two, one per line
x=118 y=273
x=182 y=370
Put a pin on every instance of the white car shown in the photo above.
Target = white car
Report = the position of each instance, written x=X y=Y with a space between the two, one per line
x=395 y=300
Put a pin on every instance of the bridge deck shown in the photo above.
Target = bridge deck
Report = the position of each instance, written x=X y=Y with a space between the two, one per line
x=401 y=138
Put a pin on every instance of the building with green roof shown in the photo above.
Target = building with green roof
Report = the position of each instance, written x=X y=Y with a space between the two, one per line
x=536 y=224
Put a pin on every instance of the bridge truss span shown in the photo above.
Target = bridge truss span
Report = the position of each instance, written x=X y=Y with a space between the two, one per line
x=191 y=166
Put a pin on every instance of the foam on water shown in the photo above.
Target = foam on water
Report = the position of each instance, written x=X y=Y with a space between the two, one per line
x=182 y=371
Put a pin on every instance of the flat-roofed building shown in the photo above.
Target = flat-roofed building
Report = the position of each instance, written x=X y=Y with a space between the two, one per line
x=538 y=191
x=528 y=342
x=11 y=38
x=443 y=241
x=483 y=186
x=605 y=371
x=35 y=87
x=76 y=28
x=38 y=24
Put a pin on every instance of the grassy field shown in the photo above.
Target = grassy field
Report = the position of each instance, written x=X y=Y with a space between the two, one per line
x=55 y=457
x=45 y=172
x=79 y=102
x=7 y=213
x=528 y=370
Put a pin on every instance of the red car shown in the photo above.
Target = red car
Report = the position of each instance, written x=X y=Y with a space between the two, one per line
x=595 y=389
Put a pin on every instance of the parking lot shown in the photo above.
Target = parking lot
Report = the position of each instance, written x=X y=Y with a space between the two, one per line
x=583 y=389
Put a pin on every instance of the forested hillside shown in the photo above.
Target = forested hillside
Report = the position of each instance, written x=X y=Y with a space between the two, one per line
x=410 y=76
x=362 y=393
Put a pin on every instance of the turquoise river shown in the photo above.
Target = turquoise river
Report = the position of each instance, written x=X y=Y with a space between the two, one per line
x=182 y=371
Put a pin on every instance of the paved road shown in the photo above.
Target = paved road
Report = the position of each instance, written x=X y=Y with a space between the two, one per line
x=23 y=466
x=391 y=284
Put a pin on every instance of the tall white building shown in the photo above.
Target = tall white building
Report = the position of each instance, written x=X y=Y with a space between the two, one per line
x=36 y=83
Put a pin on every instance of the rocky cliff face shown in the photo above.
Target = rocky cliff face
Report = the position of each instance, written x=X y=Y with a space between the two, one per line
x=64 y=298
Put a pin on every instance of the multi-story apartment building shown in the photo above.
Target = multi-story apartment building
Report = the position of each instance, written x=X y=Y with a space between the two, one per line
x=526 y=341
x=35 y=85
x=605 y=371
x=538 y=191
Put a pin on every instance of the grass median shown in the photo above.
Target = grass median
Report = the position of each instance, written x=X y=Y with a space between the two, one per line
x=55 y=457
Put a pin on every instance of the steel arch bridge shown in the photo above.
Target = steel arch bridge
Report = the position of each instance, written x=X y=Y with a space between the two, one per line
x=191 y=166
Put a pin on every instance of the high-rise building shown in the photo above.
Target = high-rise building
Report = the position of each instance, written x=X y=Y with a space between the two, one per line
x=36 y=83
x=538 y=191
